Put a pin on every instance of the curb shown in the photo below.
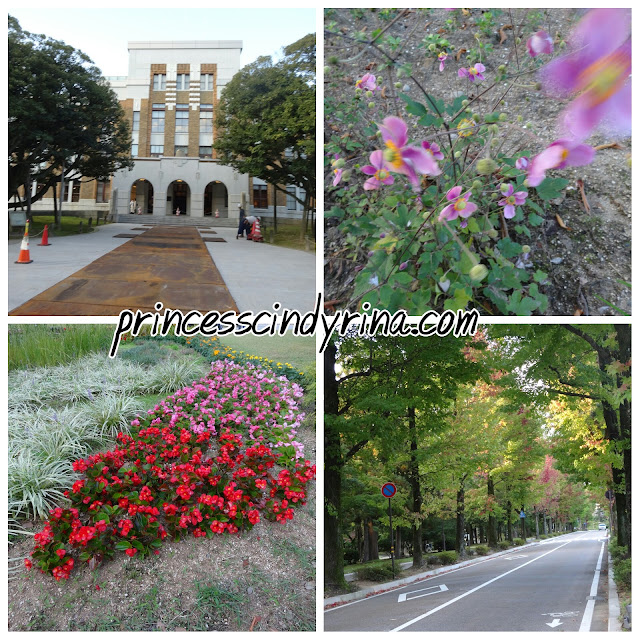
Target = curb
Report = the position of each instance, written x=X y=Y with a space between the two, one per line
x=614 y=603
x=347 y=598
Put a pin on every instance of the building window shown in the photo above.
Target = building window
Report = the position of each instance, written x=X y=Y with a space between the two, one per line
x=206 y=118
x=206 y=82
x=75 y=191
x=102 y=191
x=180 y=151
x=159 y=81
x=157 y=118
x=260 y=196
x=136 y=121
x=157 y=150
x=182 y=82
x=292 y=203
x=134 y=150
x=205 y=152
x=182 y=118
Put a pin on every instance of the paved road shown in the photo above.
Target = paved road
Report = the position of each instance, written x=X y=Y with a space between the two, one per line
x=551 y=586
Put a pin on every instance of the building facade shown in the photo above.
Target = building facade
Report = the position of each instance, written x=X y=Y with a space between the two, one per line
x=170 y=97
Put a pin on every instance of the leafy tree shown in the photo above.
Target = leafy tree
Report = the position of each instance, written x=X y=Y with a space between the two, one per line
x=266 y=121
x=63 y=117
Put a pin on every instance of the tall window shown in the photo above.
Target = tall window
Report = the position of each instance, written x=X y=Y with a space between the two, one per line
x=182 y=118
x=75 y=191
x=206 y=82
x=102 y=191
x=260 y=196
x=157 y=150
x=182 y=82
x=159 y=81
x=206 y=118
x=292 y=203
x=134 y=150
x=136 y=121
x=157 y=118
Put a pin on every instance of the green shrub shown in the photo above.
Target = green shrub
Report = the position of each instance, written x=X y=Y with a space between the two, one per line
x=518 y=542
x=622 y=573
x=504 y=544
x=617 y=552
x=375 y=574
x=481 y=549
x=446 y=557
x=543 y=536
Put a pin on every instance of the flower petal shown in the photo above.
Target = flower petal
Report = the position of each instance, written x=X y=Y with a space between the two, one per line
x=454 y=194
x=395 y=130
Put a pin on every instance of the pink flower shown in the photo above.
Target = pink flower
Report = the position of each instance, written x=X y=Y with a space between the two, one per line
x=473 y=73
x=367 y=82
x=522 y=163
x=442 y=57
x=337 y=177
x=459 y=205
x=434 y=149
x=557 y=155
x=540 y=42
x=597 y=70
x=511 y=200
x=378 y=171
x=402 y=158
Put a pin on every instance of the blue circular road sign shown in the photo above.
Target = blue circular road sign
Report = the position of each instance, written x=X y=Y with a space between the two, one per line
x=388 y=489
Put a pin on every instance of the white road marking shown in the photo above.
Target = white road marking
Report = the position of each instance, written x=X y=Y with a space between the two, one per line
x=403 y=597
x=564 y=614
x=514 y=557
x=481 y=586
x=585 y=625
x=556 y=623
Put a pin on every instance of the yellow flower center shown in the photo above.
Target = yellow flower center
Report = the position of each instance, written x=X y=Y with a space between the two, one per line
x=473 y=71
x=606 y=76
x=564 y=155
x=510 y=199
x=465 y=128
x=393 y=156
x=460 y=204
x=381 y=174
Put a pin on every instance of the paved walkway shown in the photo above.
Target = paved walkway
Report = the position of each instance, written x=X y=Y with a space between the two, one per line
x=106 y=274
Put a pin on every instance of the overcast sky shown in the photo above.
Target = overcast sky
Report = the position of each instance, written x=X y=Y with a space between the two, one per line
x=103 y=33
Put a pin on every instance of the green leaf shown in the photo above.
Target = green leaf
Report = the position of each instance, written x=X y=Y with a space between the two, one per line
x=540 y=276
x=508 y=248
x=429 y=120
x=122 y=545
x=535 y=220
x=413 y=107
x=335 y=212
x=551 y=188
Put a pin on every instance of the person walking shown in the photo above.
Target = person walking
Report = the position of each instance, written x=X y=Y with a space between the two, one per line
x=132 y=206
x=241 y=223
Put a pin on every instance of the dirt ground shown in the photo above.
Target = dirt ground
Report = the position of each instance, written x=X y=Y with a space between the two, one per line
x=587 y=250
x=263 y=580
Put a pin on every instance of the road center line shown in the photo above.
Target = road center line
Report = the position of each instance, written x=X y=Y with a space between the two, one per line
x=484 y=584
x=585 y=624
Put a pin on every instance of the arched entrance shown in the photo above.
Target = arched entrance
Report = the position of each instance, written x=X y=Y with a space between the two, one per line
x=178 y=198
x=216 y=197
x=142 y=196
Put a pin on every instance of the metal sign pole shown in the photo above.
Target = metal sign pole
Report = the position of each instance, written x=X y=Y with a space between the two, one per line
x=393 y=567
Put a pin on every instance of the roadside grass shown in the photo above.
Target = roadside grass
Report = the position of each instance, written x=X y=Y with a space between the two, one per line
x=46 y=345
x=69 y=225
x=288 y=235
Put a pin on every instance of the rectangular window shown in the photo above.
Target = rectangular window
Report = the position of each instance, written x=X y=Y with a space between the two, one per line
x=182 y=118
x=102 y=192
x=157 y=118
x=136 y=121
x=180 y=151
x=75 y=191
x=182 y=82
x=206 y=82
x=157 y=150
x=260 y=196
x=159 y=81
x=205 y=152
x=134 y=150
x=292 y=203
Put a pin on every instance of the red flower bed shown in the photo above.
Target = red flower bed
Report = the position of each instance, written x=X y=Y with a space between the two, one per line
x=166 y=480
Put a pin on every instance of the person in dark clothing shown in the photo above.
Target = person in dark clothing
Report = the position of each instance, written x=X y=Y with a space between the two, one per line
x=242 y=226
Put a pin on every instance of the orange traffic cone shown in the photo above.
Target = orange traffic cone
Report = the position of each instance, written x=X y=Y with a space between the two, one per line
x=24 y=258
x=256 y=234
x=45 y=237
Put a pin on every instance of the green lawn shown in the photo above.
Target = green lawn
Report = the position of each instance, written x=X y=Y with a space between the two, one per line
x=297 y=351
x=70 y=225
x=288 y=235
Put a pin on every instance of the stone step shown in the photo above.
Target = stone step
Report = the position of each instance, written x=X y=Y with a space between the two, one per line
x=177 y=221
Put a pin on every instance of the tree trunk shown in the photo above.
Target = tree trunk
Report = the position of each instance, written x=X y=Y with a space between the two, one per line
x=509 y=522
x=398 y=542
x=275 y=209
x=623 y=332
x=333 y=463
x=416 y=495
x=460 y=548
x=492 y=539
x=535 y=515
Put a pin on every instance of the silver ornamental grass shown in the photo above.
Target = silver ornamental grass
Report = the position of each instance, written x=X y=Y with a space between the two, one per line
x=171 y=375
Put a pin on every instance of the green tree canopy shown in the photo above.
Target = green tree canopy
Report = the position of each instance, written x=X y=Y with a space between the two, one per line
x=62 y=113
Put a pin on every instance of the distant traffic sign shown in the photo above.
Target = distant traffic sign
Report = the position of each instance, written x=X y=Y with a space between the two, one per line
x=388 y=489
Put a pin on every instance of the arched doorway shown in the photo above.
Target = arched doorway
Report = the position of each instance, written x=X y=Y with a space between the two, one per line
x=142 y=196
x=178 y=198
x=216 y=197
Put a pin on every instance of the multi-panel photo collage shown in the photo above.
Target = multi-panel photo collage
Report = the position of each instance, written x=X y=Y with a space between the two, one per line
x=319 y=319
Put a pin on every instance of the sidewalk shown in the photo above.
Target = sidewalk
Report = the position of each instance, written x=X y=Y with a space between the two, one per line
x=256 y=274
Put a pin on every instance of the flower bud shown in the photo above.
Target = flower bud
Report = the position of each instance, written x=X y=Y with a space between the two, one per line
x=476 y=184
x=519 y=118
x=432 y=47
x=379 y=79
x=371 y=105
x=369 y=94
x=476 y=117
x=346 y=174
x=494 y=128
x=457 y=154
x=327 y=69
x=502 y=68
x=397 y=85
x=338 y=163
x=495 y=142
x=465 y=103
x=526 y=248
x=402 y=266
x=504 y=187
x=502 y=117
x=492 y=233
x=486 y=166
x=478 y=273
x=494 y=196
x=332 y=60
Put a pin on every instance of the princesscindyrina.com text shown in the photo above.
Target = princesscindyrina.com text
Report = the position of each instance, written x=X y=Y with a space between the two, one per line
x=369 y=322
